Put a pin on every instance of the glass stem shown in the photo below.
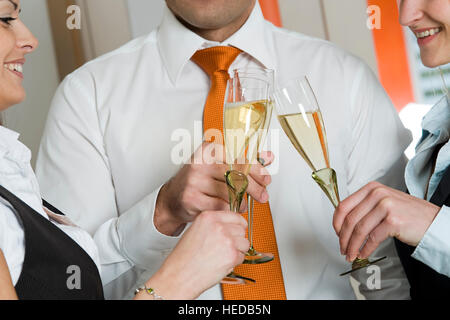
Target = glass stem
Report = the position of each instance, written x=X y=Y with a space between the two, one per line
x=250 y=221
x=237 y=185
x=326 y=179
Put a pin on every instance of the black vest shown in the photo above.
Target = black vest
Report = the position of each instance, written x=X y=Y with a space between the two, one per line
x=55 y=266
x=425 y=282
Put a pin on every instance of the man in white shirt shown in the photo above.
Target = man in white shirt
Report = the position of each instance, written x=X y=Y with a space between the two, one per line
x=108 y=148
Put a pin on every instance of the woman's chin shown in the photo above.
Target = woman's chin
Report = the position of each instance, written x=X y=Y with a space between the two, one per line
x=433 y=60
x=11 y=100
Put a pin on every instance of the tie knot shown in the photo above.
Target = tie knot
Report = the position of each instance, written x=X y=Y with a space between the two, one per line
x=215 y=58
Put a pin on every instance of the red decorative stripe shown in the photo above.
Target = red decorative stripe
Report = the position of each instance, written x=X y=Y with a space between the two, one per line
x=271 y=11
x=392 y=57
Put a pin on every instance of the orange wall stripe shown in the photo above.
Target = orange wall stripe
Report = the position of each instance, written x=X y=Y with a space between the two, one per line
x=390 y=47
x=271 y=11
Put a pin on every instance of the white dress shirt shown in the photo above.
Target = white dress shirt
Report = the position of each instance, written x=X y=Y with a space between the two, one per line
x=17 y=176
x=115 y=126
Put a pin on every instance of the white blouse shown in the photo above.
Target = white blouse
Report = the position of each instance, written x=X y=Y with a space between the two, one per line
x=17 y=176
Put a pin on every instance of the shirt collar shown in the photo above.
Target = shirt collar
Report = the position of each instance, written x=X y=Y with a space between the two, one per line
x=436 y=126
x=8 y=138
x=11 y=147
x=437 y=121
x=177 y=44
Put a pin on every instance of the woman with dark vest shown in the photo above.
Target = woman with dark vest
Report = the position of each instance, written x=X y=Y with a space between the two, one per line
x=44 y=256
x=420 y=218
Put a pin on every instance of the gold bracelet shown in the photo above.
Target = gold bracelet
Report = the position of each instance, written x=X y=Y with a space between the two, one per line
x=150 y=291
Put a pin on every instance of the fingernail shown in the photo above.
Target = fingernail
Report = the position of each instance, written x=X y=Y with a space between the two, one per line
x=267 y=180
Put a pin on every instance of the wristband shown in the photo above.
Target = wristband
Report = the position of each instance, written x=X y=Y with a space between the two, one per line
x=150 y=291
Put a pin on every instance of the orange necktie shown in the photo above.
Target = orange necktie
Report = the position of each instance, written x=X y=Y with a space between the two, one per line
x=269 y=284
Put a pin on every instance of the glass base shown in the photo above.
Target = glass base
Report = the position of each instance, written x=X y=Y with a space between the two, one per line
x=360 y=264
x=234 y=278
x=255 y=257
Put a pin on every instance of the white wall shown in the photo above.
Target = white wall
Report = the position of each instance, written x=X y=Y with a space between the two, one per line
x=145 y=15
x=106 y=26
x=40 y=82
x=342 y=22
x=303 y=16
x=346 y=25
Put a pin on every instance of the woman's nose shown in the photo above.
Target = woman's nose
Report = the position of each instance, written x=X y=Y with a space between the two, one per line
x=25 y=39
x=411 y=11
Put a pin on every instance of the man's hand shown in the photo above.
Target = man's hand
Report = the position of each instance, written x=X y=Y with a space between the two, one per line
x=376 y=212
x=200 y=186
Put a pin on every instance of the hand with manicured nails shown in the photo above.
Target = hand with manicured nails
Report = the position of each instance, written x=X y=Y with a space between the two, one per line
x=209 y=250
x=376 y=212
x=200 y=186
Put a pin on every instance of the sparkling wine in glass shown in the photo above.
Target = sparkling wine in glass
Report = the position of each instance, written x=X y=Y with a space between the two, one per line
x=301 y=119
x=253 y=256
x=244 y=113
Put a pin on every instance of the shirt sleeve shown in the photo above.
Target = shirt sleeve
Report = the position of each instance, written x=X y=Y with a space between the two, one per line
x=12 y=240
x=377 y=154
x=434 y=248
x=74 y=175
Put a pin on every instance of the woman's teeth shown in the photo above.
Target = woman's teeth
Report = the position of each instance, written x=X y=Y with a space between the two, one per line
x=14 y=67
x=430 y=32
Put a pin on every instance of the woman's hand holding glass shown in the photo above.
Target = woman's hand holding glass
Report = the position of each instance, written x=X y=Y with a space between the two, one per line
x=301 y=119
x=376 y=212
x=209 y=250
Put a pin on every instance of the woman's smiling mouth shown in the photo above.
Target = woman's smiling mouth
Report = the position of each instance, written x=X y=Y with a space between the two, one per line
x=15 y=67
x=426 y=35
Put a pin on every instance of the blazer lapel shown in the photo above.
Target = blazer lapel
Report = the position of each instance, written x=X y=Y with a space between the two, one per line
x=442 y=194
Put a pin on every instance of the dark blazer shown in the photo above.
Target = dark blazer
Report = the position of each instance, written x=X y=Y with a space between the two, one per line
x=50 y=255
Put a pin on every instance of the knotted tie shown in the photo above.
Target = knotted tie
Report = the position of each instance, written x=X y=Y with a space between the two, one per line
x=269 y=284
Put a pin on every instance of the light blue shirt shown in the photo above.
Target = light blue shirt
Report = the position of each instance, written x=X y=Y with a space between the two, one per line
x=434 y=248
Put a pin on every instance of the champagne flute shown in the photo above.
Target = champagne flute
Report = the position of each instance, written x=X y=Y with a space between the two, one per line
x=301 y=119
x=253 y=256
x=244 y=113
